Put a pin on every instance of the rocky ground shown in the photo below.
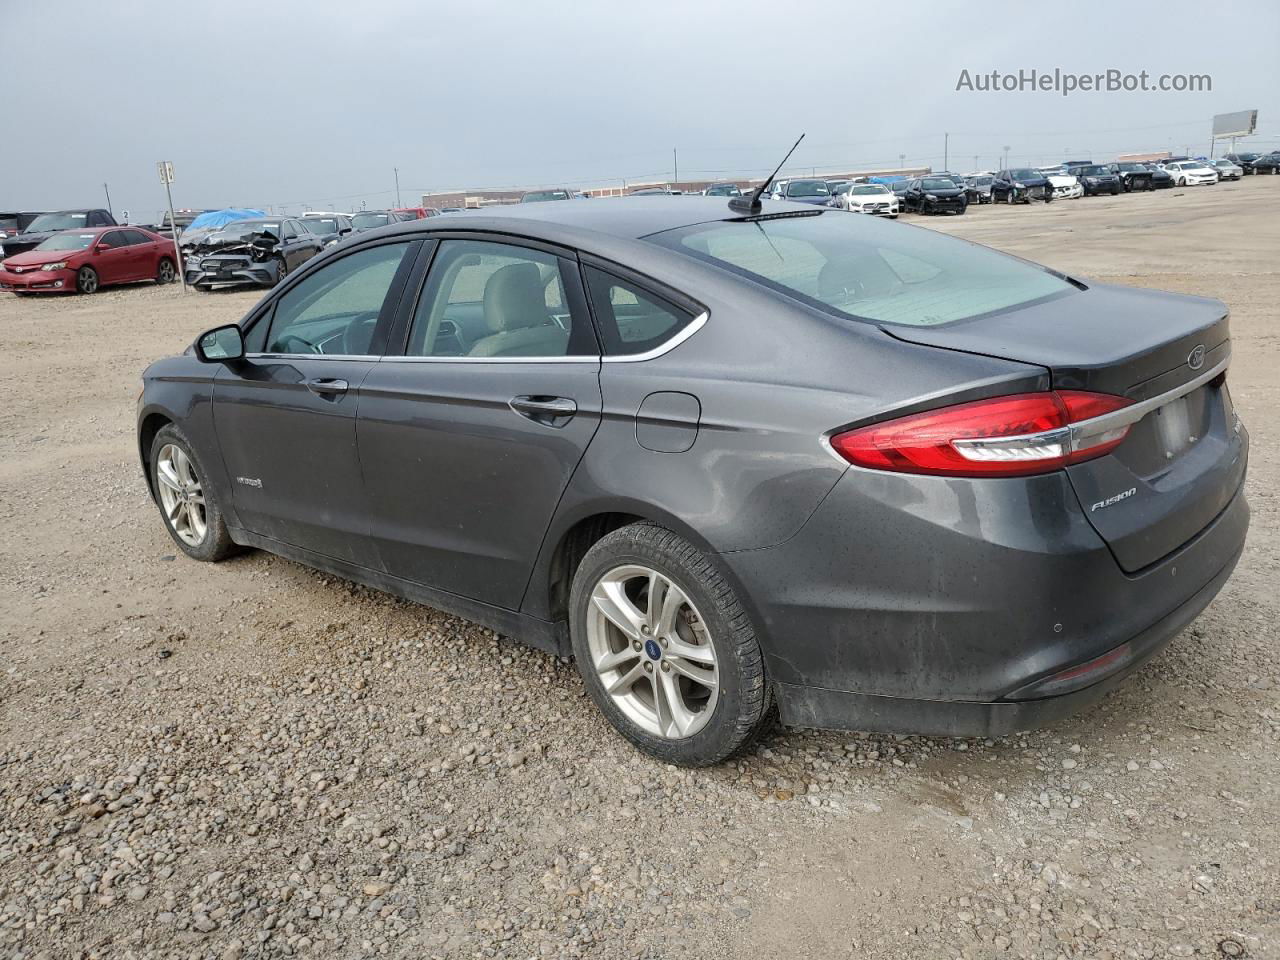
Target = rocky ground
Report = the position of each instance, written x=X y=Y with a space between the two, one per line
x=256 y=760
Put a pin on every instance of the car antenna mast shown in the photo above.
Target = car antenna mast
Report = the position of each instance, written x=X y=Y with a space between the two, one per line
x=751 y=204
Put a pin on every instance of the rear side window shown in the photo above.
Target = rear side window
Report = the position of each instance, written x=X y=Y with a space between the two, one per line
x=632 y=320
x=136 y=236
x=486 y=300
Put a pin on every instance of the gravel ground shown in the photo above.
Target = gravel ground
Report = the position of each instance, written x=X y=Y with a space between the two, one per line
x=256 y=760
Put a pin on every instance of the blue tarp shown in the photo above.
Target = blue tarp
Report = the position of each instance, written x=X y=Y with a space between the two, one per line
x=220 y=218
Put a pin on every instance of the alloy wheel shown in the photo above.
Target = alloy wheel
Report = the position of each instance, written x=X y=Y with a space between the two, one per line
x=181 y=495
x=652 y=651
x=88 y=280
x=166 y=272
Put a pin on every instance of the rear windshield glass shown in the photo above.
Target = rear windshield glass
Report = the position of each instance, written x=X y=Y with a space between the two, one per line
x=866 y=269
x=365 y=221
x=1025 y=174
x=807 y=188
x=320 y=225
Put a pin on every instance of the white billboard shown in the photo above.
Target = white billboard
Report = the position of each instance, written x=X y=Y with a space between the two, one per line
x=1240 y=124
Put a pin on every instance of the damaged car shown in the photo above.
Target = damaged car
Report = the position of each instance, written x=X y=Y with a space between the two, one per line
x=250 y=252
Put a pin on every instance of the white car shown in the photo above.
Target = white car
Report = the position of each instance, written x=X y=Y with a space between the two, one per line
x=874 y=198
x=1190 y=173
x=1228 y=170
x=1065 y=186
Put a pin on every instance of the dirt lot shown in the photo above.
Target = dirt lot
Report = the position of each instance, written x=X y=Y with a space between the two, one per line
x=254 y=760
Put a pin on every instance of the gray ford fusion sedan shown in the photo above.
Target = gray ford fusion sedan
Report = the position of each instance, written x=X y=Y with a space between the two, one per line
x=739 y=463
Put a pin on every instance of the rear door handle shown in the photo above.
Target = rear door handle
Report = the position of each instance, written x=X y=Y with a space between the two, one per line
x=551 y=411
x=327 y=388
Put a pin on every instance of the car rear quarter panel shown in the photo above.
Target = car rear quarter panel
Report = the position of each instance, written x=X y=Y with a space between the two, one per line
x=773 y=379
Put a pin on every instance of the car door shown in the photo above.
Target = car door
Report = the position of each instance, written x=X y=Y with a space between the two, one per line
x=470 y=437
x=285 y=416
x=141 y=264
x=111 y=257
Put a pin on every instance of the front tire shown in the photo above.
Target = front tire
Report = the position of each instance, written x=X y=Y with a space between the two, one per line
x=189 y=506
x=87 y=280
x=665 y=648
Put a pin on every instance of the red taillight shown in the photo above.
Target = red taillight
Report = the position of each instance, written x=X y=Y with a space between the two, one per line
x=1002 y=437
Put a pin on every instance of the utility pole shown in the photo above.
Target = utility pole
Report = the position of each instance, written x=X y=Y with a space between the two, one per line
x=946 y=150
x=1006 y=157
x=902 y=161
x=108 y=193
x=975 y=163
x=675 y=169
x=396 y=170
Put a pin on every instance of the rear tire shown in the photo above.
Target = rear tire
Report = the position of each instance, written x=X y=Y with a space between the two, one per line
x=684 y=681
x=164 y=271
x=87 y=280
x=187 y=502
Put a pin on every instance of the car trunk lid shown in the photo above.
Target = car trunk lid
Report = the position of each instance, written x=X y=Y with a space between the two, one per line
x=1182 y=462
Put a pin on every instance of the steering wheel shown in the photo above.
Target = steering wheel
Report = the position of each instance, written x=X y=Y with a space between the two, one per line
x=358 y=334
x=289 y=342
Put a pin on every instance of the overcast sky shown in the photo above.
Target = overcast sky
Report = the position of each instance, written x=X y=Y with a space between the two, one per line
x=286 y=102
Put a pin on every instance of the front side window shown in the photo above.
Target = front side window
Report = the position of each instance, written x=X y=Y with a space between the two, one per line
x=864 y=269
x=494 y=300
x=632 y=320
x=335 y=309
x=113 y=240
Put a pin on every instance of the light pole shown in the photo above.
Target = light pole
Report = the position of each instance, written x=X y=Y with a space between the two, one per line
x=1006 y=156
x=396 y=171
x=902 y=161
x=946 y=147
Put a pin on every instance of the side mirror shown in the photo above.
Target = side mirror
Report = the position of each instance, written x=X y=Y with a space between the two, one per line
x=220 y=344
x=102 y=246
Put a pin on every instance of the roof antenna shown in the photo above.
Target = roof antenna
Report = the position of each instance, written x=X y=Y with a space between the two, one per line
x=751 y=204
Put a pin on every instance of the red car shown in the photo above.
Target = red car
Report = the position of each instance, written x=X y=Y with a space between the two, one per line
x=81 y=261
x=418 y=213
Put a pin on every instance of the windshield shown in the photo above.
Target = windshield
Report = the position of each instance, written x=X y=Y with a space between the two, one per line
x=68 y=241
x=808 y=188
x=869 y=270
x=981 y=181
x=1025 y=174
x=321 y=225
x=937 y=183
x=1093 y=171
x=366 y=221
x=723 y=190
x=56 y=221
x=868 y=189
x=539 y=195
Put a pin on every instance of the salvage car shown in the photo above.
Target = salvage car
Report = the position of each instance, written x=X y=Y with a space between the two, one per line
x=1227 y=170
x=804 y=191
x=1191 y=173
x=722 y=190
x=872 y=198
x=1065 y=186
x=84 y=261
x=1021 y=185
x=978 y=189
x=935 y=195
x=1244 y=160
x=1161 y=179
x=1133 y=176
x=1098 y=179
x=329 y=227
x=47 y=224
x=1267 y=163
x=250 y=253
x=542 y=196
x=372 y=219
x=554 y=420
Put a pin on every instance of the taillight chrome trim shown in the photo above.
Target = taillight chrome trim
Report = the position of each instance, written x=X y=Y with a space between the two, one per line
x=1086 y=433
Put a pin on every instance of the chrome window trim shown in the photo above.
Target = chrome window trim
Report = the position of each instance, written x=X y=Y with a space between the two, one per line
x=687 y=331
x=310 y=356
x=589 y=358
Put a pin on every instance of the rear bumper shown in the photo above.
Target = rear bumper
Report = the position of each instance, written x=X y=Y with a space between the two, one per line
x=803 y=706
x=918 y=604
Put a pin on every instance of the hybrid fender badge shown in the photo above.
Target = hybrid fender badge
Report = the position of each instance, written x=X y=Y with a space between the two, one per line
x=1110 y=501
x=250 y=482
x=1195 y=359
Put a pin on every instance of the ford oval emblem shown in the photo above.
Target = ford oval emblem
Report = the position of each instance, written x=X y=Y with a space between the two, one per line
x=1195 y=359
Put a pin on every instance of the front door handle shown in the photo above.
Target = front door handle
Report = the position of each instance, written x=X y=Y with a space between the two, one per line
x=327 y=388
x=550 y=411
